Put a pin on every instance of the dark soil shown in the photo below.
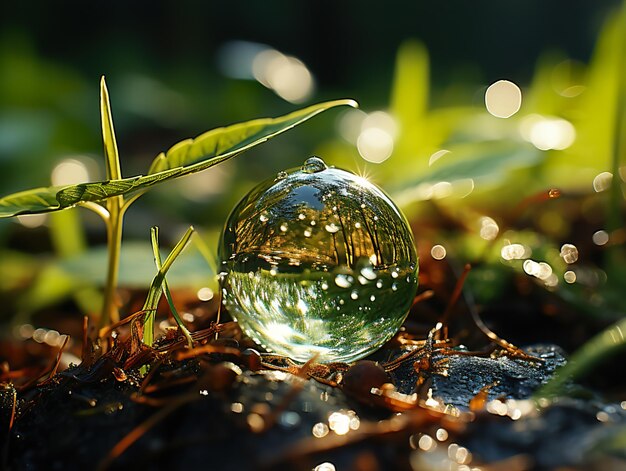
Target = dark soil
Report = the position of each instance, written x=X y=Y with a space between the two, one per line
x=213 y=411
x=218 y=407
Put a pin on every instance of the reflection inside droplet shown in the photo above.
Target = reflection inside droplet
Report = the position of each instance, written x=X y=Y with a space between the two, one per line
x=301 y=292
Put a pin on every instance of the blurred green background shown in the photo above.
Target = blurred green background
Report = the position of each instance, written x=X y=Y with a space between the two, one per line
x=465 y=175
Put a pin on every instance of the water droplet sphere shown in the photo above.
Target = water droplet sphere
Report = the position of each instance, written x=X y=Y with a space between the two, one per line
x=318 y=262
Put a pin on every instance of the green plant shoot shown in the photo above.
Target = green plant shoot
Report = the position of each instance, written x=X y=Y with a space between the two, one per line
x=111 y=198
x=154 y=237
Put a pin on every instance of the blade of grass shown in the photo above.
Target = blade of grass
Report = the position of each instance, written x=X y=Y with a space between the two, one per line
x=154 y=232
x=600 y=347
x=156 y=287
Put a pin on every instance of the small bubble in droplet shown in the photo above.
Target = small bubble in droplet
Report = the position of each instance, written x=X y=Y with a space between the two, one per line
x=205 y=294
x=394 y=286
x=394 y=274
x=313 y=223
x=324 y=285
x=515 y=252
x=569 y=276
x=569 y=253
x=600 y=237
x=426 y=443
x=301 y=216
x=357 y=225
x=372 y=298
x=342 y=302
x=438 y=252
x=320 y=430
x=354 y=295
x=314 y=165
x=369 y=273
x=544 y=272
x=531 y=267
x=602 y=181
x=379 y=284
x=263 y=218
x=343 y=281
x=283 y=227
x=307 y=233
x=442 y=434
x=488 y=228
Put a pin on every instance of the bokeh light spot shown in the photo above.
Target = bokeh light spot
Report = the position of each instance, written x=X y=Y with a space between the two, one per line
x=503 y=99
x=600 y=237
x=69 y=172
x=547 y=133
x=286 y=75
x=375 y=145
x=438 y=252
x=602 y=181
x=569 y=276
x=569 y=253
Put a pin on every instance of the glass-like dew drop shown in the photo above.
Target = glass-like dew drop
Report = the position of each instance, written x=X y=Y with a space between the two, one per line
x=314 y=165
x=331 y=292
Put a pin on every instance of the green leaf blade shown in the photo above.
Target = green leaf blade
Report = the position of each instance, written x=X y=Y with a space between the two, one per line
x=37 y=200
x=111 y=155
x=223 y=143
x=186 y=157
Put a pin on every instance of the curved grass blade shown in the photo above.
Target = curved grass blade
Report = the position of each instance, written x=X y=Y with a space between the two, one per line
x=186 y=157
x=154 y=237
x=603 y=345
x=156 y=287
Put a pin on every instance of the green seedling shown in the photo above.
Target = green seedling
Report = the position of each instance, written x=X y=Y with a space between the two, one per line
x=111 y=198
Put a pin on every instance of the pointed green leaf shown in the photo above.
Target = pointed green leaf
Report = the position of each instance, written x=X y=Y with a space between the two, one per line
x=222 y=143
x=184 y=158
x=111 y=156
